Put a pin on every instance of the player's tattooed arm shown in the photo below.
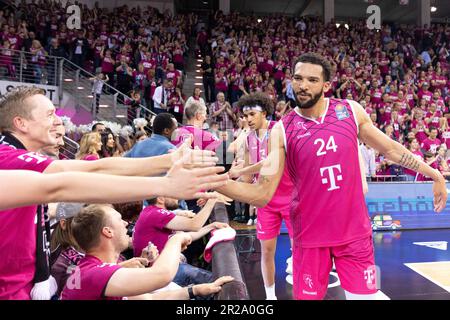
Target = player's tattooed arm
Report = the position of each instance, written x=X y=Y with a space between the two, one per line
x=409 y=161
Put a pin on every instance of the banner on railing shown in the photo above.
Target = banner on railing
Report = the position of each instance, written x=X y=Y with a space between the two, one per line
x=404 y=206
x=52 y=92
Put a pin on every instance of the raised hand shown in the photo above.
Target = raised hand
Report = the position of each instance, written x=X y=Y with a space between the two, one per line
x=187 y=184
x=193 y=158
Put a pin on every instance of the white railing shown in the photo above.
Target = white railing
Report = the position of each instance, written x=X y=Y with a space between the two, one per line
x=20 y=66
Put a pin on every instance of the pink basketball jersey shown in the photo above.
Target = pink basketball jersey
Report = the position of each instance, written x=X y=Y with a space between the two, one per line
x=328 y=208
x=258 y=150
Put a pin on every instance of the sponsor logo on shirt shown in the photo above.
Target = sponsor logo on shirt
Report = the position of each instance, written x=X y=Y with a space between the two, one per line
x=341 y=112
x=301 y=126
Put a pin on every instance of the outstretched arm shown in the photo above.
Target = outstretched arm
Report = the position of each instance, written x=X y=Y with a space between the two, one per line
x=150 y=166
x=261 y=193
x=397 y=153
x=20 y=188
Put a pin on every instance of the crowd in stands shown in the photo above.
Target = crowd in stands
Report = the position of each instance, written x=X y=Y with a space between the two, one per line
x=133 y=50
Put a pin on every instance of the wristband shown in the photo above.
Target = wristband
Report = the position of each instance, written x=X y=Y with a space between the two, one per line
x=191 y=293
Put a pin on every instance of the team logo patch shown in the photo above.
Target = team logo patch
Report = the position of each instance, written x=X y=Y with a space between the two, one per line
x=308 y=280
x=341 y=112
x=301 y=125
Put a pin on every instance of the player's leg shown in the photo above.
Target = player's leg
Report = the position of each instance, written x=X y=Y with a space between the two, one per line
x=267 y=230
x=311 y=269
x=268 y=248
x=287 y=221
x=355 y=265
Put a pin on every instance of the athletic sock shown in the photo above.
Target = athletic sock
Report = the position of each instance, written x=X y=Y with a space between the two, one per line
x=270 y=292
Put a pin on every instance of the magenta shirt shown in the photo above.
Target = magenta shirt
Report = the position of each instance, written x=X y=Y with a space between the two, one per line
x=151 y=226
x=203 y=139
x=431 y=145
x=18 y=230
x=90 y=157
x=94 y=275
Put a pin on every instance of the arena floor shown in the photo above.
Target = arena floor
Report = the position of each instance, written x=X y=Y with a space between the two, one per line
x=414 y=265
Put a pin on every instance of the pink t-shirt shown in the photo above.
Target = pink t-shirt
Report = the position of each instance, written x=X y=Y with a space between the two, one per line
x=151 y=226
x=430 y=145
x=419 y=156
x=18 y=230
x=90 y=157
x=446 y=137
x=203 y=139
x=93 y=276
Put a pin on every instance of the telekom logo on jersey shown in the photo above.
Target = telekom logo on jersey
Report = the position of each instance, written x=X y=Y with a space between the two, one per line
x=330 y=172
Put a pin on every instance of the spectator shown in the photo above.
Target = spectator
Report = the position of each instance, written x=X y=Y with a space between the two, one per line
x=54 y=151
x=196 y=117
x=221 y=112
x=90 y=146
x=157 y=223
x=80 y=47
x=107 y=65
x=159 y=143
x=38 y=60
x=54 y=50
x=98 y=127
x=368 y=155
x=414 y=147
x=109 y=145
x=160 y=98
x=7 y=66
x=195 y=98
x=207 y=69
x=176 y=105
x=431 y=143
x=431 y=160
x=97 y=89
x=65 y=252
x=101 y=233
x=134 y=108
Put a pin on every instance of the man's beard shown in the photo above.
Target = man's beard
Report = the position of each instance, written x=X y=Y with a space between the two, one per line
x=308 y=103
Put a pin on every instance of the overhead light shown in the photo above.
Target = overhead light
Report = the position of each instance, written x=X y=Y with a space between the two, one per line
x=198 y=84
x=90 y=96
x=198 y=77
x=205 y=2
x=338 y=25
x=259 y=20
x=199 y=60
x=120 y=116
x=80 y=88
x=198 y=65
x=198 y=70
x=103 y=106
x=68 y=80
x=433 y=9
x=346 y=26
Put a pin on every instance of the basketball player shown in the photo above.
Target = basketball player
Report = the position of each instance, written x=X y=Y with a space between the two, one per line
x=256 y=107
x=318 y=144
